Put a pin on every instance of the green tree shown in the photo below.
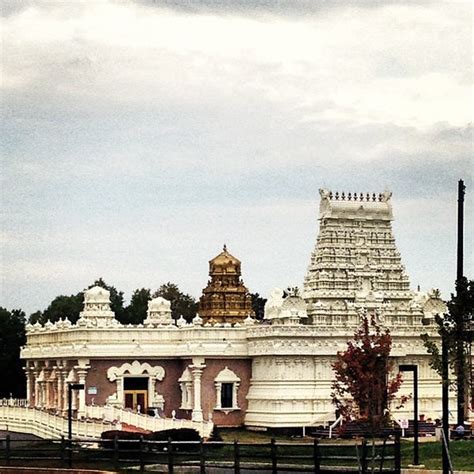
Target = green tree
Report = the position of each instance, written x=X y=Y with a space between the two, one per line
x=61 y=307
x=70 y=306
x=454 y=328
x=135 y=312
x=64 y=306
x=258 y=305
x=12 y=337
x=362 y=388
x=35 y=317
x=182 y=304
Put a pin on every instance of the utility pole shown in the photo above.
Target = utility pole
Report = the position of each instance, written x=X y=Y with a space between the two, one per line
x=460 y=323
x=460 y=253
x=445 y=396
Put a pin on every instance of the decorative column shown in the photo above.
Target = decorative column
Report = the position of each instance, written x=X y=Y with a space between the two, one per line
x=47 y=393
x=235 y=389
x=63 y=389
x=59 y=387
x=71 y=378
x=29 y=386
x=218 y=394
x=42 y=394
x=81 y=374
x=37 y=391
x=196 y=371
x=120 y=398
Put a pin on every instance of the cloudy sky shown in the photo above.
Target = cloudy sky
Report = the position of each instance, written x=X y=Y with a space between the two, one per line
x=138 y=137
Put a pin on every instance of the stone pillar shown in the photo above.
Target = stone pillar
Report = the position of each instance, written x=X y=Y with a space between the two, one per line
x=42 y=392
x=37 y=391
x=47 y=393
x=235 y=390
x=151 y=391
x=63 y=390
x=196 y=371
x=120 y=399
x=189 y=390
x=59 y=388
x=218 y=394
x=81 y=374
x=29 y=386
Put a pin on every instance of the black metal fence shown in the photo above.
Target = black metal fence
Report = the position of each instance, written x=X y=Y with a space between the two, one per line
x=197 y=456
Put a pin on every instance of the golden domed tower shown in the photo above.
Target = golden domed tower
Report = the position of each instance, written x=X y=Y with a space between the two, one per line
x=225 y=298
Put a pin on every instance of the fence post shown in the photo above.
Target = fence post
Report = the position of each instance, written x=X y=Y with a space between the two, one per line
x=170 y=456
x=69 y=453
x=140 y=446
x=363 y=460
x=62 y=449
x=202 y=459
x=236 y=457
x=316 y=457
x=7 y=449
x=273 y=455
x=382 y=455
x=116 y=453
x=398 y=453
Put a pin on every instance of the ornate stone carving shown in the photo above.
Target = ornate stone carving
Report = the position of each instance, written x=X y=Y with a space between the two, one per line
x=225 y=299
x=136 y=368
x=159 y=312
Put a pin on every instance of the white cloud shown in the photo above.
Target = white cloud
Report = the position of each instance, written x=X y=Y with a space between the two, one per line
x=134 y=132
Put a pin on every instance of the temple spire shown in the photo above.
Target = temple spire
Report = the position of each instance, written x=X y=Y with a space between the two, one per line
x=225 y=298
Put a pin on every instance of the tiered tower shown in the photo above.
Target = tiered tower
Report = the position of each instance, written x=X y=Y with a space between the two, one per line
x=355 y=267
x=225 y=298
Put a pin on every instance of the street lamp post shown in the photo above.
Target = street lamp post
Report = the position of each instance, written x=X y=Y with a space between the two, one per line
x=70 y=388
x=414 y=368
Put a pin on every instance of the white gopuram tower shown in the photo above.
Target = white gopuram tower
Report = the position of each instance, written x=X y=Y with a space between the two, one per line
x=356 y=268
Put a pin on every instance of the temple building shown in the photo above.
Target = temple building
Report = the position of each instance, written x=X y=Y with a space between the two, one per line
x=226 y=368
x=225 y=298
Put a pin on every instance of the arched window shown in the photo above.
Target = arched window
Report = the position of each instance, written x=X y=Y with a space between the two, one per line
x=227 y=385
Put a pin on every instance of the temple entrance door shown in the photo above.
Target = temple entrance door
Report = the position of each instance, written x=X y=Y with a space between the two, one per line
x=135 y=399
x=136 y=393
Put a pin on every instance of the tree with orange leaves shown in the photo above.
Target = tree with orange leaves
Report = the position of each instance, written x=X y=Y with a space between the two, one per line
x=362 y=388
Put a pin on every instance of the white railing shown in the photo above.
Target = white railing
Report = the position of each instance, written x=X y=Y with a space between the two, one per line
x=13 y=402
x=16 y=416
x=337 y=422
x=47 y=425
x=146 y=422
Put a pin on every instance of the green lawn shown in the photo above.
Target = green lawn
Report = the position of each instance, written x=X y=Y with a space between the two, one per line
x=462 y=452
x=430 y=455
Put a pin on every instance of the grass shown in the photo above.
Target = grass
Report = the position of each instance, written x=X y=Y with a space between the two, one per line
x=430 y=454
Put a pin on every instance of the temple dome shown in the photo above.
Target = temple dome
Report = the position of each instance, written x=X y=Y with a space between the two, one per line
x=224 y=263
x=97 y=294
x=159 y=304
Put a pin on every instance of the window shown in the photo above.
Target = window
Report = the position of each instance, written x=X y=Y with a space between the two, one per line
x=227 y=390
x=227 y=386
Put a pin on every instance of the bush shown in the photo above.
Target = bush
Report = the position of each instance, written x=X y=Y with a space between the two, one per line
x=121 y=436
x=182 y=434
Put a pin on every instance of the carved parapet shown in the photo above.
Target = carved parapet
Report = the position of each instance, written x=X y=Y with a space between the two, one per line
x=356 y=205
